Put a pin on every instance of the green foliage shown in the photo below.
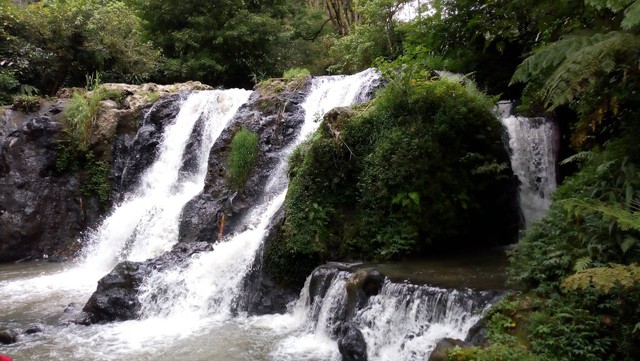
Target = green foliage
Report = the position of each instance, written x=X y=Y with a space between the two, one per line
x=8 y=84
x=222 y=42
x=575 y=63
x=295 y=72
x=242 y=157
x=374 y=35
x=367 y=184
x=604 y=279
x=93 y=173
x=96 y=179
x=51 y=44
x=26 y=103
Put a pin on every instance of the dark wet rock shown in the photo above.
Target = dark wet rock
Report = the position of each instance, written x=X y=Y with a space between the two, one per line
x=41 y=211
x=32 y=329
x=116 y=298
x=439 y=353
x=361 y=285
x=351 y=343
x=218 y=210
x=261 y=295
x=133 y=153
x=8 y=337
x=73 y=314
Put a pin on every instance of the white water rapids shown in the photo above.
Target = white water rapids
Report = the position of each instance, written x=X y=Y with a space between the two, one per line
x=188 y=311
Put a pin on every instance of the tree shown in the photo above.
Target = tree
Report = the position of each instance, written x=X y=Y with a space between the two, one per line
x=227 y=42
x=52 y=44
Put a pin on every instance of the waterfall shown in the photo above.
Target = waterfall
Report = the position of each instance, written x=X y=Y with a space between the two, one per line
x=145 y=224
x=209 y=286
x=403 y=322
x=533 y=160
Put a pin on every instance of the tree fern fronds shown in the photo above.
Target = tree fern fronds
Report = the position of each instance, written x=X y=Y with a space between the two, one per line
x=579 y=157
x=549 y=57
x=584 y=66
x=613 y=5
x=631 y=16
x=582 y=264
x=626 y=219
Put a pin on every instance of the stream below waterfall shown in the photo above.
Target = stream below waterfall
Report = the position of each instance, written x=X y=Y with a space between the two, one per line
x=414 y=317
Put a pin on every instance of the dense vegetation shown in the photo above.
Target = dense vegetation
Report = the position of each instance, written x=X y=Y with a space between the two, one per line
x=416 y=166
x=410 y=172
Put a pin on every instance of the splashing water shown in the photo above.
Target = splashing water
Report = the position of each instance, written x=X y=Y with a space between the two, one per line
x=533 y=160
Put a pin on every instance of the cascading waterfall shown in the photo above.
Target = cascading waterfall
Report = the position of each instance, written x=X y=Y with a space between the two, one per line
x=146 y=223
x=210 y=284
x=189 y=312
x=403 y=322
x=533 y=160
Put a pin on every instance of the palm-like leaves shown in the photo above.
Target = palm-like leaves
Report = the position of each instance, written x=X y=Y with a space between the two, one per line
x=578 y=62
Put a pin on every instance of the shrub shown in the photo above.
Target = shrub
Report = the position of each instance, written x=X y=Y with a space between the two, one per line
x=242 y=157
x=408 y=173
x=80 y=115
x=295 y=72
x=8 y=85
x=26 y=103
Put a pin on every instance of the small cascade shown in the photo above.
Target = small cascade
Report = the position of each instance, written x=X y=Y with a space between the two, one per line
x=403 y=322
x=145 y=224
x=533 y=160
x=211 y=283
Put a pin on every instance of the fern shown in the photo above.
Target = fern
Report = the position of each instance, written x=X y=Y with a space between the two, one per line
x=579 y=62
x=631 y=16
x=582 y=264
x=627 y=219
x=579 y=158
x=631 y=10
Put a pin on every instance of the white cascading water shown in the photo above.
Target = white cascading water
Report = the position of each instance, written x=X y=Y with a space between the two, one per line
x=208 y=287
x=403 y=322
x=146 y=223
x=533 y=160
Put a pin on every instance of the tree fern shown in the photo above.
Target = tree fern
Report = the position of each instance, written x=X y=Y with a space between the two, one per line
x=579 y=61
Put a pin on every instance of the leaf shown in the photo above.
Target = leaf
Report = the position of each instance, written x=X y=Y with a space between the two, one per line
x=582 y=264
x=628 y=243
x=415 y=197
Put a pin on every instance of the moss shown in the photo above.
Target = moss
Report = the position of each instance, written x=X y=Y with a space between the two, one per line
x=26 y=103
x=406 y=173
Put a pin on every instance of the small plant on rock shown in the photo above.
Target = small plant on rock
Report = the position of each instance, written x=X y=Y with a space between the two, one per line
x=244 y=152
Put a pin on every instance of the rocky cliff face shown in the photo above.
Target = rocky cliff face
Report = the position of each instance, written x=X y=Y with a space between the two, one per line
x=42 y=210
x=275 y=117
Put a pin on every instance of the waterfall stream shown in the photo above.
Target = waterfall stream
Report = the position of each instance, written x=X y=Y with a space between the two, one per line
x=533 y=160
x=402 y=322
x=188 y=311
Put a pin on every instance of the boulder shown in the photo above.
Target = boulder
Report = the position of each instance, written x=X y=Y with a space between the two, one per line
x=35 y=328
x=361 y=285
x=116 y=297
x=351 y=343
x=8 y=337
x=439 y=353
